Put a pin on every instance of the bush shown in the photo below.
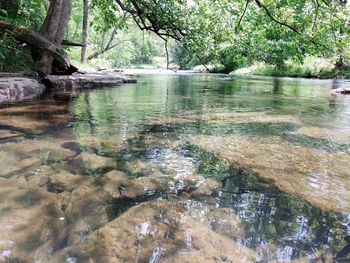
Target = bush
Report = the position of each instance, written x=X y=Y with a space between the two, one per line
x=311 y=68
x=12 y=57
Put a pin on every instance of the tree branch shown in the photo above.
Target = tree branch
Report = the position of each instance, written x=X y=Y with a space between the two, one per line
x=242 y=16
x=296 y=31
x=261 y=5
x=66 y=42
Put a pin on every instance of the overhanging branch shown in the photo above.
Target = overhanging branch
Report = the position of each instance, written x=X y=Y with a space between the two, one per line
x=242 y=16
x=292 y=28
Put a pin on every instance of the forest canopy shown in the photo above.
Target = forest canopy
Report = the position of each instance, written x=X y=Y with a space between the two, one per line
x=122 y=33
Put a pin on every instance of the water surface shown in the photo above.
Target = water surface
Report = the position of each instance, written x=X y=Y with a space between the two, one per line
x=178 y=168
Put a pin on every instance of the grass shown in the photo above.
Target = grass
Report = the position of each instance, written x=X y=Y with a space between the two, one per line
x=311 y=68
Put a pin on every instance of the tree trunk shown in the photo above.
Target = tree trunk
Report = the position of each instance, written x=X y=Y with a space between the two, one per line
x=85 y=30
x=42 y=50
x=53 y=30
x=40 y=44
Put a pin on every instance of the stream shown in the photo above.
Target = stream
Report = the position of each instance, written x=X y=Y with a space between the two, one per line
x=178 y=168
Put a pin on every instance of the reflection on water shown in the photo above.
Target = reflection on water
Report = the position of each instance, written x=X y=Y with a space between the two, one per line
x=178 y=168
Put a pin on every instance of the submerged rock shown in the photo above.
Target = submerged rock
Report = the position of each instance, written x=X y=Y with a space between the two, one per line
x=15 y=89
x=140 y=167
x=34 y=118
x=223 y=221
x=337 y=136
x=85 y=210
x=94 y=162
x=65 y=181
x=26 y=157
x=155 y=231
x=223 y=118
x=22 y=167
x=8 y=135
x=107 y=144
x=30 y=225
x=317 y=176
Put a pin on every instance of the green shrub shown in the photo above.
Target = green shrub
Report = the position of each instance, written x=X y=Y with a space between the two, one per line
x=311 y=68
x=12 y=57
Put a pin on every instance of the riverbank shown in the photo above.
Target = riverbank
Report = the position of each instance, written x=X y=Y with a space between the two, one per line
x=16 y=87
x=313 y=69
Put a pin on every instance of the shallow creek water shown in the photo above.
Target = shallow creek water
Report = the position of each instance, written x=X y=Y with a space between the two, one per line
x=178 y=168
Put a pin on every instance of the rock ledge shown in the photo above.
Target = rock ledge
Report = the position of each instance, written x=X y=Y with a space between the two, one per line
x=77 y=82
x=15 y=89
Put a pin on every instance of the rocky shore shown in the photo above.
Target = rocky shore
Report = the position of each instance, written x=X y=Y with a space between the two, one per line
x=16 y=87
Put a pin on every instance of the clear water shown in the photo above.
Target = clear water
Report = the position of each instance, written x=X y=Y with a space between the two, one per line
x=275 y=153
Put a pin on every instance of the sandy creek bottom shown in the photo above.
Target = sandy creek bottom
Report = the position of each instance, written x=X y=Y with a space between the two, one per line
x=178 y=168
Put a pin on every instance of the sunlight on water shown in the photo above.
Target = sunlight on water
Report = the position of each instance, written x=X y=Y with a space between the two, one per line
x=178 y=168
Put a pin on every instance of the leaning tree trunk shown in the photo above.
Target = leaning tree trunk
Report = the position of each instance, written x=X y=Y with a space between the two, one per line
x=36 y=41
x=85 y=30
x=53 y=30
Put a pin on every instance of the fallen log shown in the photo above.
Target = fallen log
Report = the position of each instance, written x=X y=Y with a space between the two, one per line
x=37 y=42
x=70 y=43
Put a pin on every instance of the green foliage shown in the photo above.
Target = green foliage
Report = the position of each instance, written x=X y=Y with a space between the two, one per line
x=232 y=34
x=310 y=68
x=23 y=12
x=145 y=48
x=106 y=16
x=11 y=56
x=183 y=58
x=237 y=34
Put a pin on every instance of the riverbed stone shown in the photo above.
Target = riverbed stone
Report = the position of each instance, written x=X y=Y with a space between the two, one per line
x=202 y=186
x=339 y=136
x=23 y=167
x=223 y=221
x=9 y=135
x=141 y=167
x=158 y=183
x=15 y=89
x=315 y=175
x=85 y=210
x=156 y=230
x=93 y=161
x=30 y=225
x=215 y=117
x=65 y=181
x=26 y=156
x=34 y=118
x=106 y=144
